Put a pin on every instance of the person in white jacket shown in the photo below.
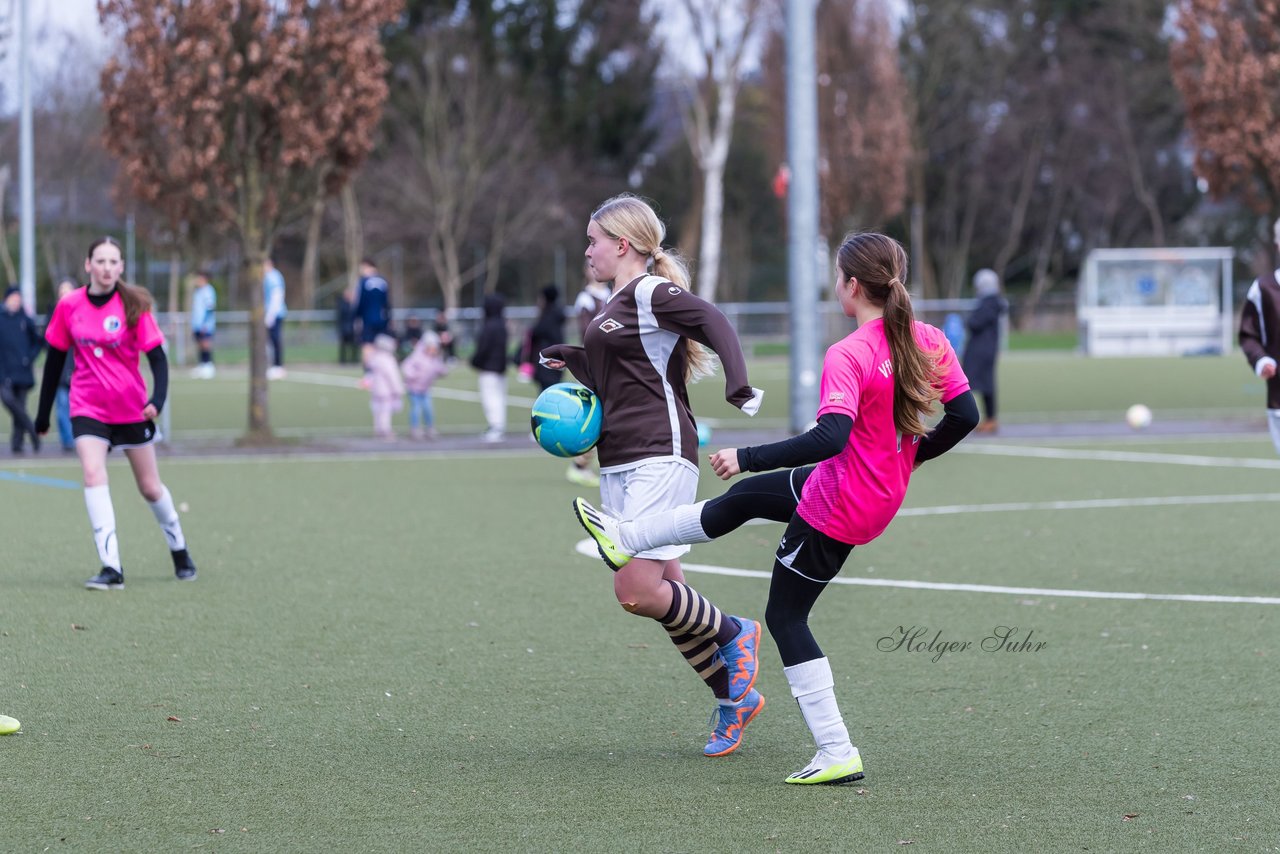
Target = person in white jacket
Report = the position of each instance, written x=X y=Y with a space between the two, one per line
x=386 y=385
x=421 y=368
x=275 y=311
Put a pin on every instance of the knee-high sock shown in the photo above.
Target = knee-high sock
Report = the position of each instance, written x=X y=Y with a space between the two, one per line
x=813 y=686
x=698 y=629
x=772 y=495
x=102 y=518
x=677 y=526
x=167 y=515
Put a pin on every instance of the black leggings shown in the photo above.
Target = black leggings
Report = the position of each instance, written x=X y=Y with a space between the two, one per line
x=775 y=496
x=771 y=496
x=14 y=399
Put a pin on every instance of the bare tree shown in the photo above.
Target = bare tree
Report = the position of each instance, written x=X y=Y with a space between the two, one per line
x=463 y=166
x=722 y=32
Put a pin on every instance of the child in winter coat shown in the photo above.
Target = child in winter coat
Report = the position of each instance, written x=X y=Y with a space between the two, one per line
x=421 y=368
x=386 y=387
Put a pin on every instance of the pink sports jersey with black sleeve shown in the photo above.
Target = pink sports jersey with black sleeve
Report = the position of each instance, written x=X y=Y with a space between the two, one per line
x=853 y=496
x=106 y=385
x=634 y=356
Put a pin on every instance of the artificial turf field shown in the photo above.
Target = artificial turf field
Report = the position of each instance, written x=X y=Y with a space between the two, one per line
x=403 y=651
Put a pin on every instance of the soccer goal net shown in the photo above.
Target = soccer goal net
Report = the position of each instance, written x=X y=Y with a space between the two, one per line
x=1156 y=302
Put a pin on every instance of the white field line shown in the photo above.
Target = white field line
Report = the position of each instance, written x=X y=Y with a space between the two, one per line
x=1089 y=504
x=587 y=547
x=1116 y=456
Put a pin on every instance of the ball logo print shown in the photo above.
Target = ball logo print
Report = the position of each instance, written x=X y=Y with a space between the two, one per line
x=566 y=419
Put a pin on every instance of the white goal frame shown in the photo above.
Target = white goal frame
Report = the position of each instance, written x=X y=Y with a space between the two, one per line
x=1157 y=302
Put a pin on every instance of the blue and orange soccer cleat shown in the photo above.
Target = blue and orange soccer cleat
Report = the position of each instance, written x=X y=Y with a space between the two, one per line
x=728 y=722
x=740 y=658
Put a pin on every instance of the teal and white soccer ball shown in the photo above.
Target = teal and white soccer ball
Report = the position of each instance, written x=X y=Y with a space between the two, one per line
x=566 y=419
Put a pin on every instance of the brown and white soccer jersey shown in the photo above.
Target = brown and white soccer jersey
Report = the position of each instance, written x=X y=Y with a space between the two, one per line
x=634 y=356
x=1260 y=330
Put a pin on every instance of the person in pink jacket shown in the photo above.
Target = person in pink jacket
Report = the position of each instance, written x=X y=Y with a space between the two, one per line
x=386 y=386
x=421 y=368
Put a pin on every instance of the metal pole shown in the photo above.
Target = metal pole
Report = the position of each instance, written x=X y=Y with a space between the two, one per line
x=26 y=167
x=802 y=209
x=130 y=253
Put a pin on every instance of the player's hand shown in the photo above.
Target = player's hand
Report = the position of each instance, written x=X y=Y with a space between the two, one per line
x=149 y=412
x=42 y=425
x=1268 y=371
x=553 y=364
x=725 y=463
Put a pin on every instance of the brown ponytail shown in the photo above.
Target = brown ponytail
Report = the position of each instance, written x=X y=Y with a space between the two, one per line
x=137 y=301
x=879 y=263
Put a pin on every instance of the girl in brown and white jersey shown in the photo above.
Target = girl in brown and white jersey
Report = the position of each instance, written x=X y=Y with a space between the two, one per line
x=638 y=354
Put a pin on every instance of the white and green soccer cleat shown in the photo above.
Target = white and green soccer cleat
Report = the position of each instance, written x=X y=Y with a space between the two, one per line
x=824 y=771
x=603 y=528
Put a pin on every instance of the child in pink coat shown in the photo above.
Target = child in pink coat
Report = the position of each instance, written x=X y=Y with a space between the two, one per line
x=421 y=368
x=386 y=386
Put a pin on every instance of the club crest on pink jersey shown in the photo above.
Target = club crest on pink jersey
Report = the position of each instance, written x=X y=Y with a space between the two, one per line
x=111 y=323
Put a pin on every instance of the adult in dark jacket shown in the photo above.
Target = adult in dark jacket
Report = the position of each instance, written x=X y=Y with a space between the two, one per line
x=547 y=331
x=373 y=302
x=983 y=344
x=490 y=359
x=19 y=345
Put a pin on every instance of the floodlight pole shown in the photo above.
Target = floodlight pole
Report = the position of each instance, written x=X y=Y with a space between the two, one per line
x=802 y=209
x=26 y=169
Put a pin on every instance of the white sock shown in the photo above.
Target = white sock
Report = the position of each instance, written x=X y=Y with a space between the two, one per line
x=167 y=515
x=813 y=686
x=102 y=518
x=679 y=526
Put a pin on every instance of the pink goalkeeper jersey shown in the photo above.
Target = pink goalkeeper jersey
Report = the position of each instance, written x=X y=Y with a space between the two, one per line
x=106 y=384
x=853 y=496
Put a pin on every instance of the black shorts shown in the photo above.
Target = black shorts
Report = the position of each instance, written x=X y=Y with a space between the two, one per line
x=202 y=336
x=810 y=553
x=139 y=434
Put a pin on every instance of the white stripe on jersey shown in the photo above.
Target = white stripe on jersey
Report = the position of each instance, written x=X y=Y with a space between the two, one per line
x=1255 y=296
x=659 y=344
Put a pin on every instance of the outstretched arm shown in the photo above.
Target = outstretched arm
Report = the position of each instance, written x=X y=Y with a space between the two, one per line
x=826 y=439
x=679 y=311
x=569 y=356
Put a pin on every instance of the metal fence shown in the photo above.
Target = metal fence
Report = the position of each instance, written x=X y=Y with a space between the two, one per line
x=757 y=323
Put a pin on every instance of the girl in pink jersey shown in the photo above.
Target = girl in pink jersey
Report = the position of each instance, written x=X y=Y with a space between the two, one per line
x=638 y=354
x=108 y=325
x=878 y=385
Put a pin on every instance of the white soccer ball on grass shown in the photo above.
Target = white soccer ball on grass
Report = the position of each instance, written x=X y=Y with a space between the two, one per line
x=1138 y=417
